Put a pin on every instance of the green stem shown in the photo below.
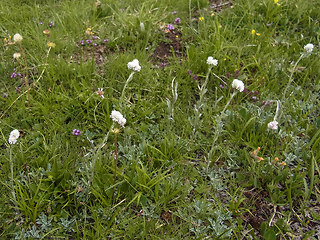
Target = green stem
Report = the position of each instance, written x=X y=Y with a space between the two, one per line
x=115 y=165
x=219 y=128
x=11 y=169
x=125 y=86
x=291 y=77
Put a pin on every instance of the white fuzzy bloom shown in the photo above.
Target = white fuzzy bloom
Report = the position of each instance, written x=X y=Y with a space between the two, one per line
x=308 y=47
x=14 y=135
x=116 y=116
x=238 y=84
x=17 y=37
x=273 y=125
x=211 y=61
x=134 y=65
x=16 y=55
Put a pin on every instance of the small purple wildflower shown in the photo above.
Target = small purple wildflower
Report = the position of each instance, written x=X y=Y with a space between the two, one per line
x=174 y=12
x=195 y=77
x=222 y=86
x=189 y=72
x=82 y=42
x=51 y=24
x=177 y=21
x=13 y=75
x=40 y=23
x=163 y=64
x=5 y=95
x=95 y=44
x=115 y=154
x=76 y=132
x=106 y=40
x=256 y=93
x=88 y=41
x=254 y=98
x=170 y=27
x=94 y=37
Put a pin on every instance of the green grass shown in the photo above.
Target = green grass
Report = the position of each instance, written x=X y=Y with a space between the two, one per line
x=180 y=173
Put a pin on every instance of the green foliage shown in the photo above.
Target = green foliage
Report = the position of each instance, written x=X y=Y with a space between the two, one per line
x=195 y=159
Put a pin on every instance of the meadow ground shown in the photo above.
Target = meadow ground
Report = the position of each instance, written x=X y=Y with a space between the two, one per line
x=212 y=133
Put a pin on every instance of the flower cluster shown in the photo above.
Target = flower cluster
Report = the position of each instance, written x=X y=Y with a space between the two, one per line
x=76 y=132
x=238 y=84
x=17 y=38
x=14 y=135
x=116 y=116
x=273 y=125
x=134 y=65
x=309 y=47
x=211 y=61
x=14 y=74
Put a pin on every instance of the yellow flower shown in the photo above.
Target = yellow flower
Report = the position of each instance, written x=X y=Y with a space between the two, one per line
x=46 y=32
x=258 y=34
x=201 y=19
x=253 y=31
x=51 y=44
x=276 y=1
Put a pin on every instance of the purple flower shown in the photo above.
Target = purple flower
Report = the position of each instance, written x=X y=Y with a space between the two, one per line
x=222 y=86
x=51 y=24
x=95 y=44
x=195 y=77
x=163 y=64
x=256 y=93
x=94 y=37
x=174 y=12
x=106 y=40
x=177 y=21
x=82 y=42
x=88 y=41
x=5 y=95
x=13 y=75
x=170 y=27
x=40 y=23
x=115 y=154
x=76 y=132
x=254 y=98
x=189 y=72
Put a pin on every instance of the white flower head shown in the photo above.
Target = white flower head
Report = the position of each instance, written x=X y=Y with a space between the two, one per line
x=238 y=84
x=17 y=37
x=211 y=61
x=273 y=125
x=16 y=55
x=100 y=92
x=14 y=135
x=309 y=47
x=134 y=65
x=116 y=116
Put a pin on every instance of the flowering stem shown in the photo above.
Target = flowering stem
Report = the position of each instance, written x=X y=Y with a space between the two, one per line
x=203 y=87
x=11 y=169
x=125 y=86
x=291 y=77
x=277 y=111
x=225 y=107
x=115 y=165
x=219 y=127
